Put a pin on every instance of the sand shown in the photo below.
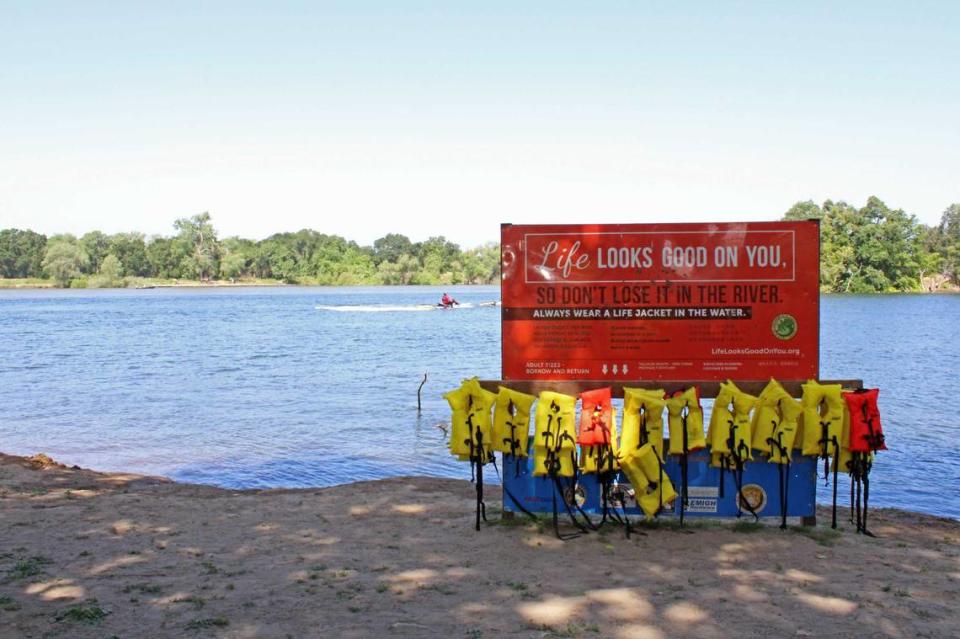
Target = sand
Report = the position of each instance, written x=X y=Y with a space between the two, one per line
x=87 y=554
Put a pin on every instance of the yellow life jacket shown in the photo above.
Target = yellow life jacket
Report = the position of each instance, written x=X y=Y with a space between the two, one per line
x=766 y=417
x=511 y=421
x=602 y=457
x=459 y=432
x=556 y=422
x=743 y=405
x=823 y=407
x=564 y=460
x=789 y=413
x=685 y=415
x=642 y=420
x=650 y=482
x=721 y=420
x=844 y=462
x=479 y=416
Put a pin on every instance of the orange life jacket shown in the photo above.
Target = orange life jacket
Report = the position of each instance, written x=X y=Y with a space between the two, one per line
x=866 y=432
x=595 y=413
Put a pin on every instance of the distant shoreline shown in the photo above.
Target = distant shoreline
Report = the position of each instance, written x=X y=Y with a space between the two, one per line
x=34 y=284
x=148 y=283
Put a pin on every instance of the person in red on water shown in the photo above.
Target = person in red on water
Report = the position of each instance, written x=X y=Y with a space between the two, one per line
x=446 y=301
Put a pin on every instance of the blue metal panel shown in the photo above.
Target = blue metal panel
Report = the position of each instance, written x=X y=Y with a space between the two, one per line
x=761 y=484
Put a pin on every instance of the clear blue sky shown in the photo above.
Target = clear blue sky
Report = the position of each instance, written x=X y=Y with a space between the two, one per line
x=362 y=118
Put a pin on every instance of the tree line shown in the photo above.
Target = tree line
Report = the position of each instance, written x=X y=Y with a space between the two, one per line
x=878 y=249
x=195 y=252
x=863 y=250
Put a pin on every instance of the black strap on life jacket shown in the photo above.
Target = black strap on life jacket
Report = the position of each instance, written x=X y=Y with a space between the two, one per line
x=866 y=493
x=824 y=442
x=553 y=471
x=836 y=468
x=684 y=465
x=644 y=431
x=853 y=481
x=587 y=522
x=862 y=464
x=604 y=461
x=605 y=480
x=739 y=460
x=478 y=457
x=783 y=473
x=553 y=466
x=516 y=502
x=513 y=441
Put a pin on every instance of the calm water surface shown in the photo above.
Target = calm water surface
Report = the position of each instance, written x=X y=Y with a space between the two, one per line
x=259 y=388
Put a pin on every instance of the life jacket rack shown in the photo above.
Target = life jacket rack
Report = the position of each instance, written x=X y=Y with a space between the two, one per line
x=523 y=493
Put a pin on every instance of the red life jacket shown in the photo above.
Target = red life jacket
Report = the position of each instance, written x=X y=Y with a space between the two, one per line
x=595 y=415
x=866 y=432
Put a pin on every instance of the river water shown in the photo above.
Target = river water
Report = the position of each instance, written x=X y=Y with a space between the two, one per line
x=258 y=387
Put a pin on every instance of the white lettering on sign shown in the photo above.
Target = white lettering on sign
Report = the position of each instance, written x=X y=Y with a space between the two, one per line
x=649 y=256
x=702 y=505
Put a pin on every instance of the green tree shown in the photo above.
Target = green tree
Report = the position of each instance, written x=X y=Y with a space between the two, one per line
x=64 y=260
x=110 y=274
x=390 y=247
x=804 y=211
x=96 y=245
x=131 y=250
x=400 y=272
x=233 y=265
x=482 y=265
x=948 y=244
x=874 y=248
x=165 y=255
x=439 y=262
x=198 y=233
x=21 y=253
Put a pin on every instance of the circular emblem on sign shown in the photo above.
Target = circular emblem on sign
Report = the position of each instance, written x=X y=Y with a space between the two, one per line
x=617 y=496
x=753 y=496
x=784 y=326
x=580 y=496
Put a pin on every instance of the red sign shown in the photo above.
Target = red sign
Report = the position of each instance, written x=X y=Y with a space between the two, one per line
x=661 y=301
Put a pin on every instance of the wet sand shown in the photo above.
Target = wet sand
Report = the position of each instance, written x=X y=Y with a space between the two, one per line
x=87 y=554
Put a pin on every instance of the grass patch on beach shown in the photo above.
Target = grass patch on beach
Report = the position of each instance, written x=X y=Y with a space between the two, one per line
x=91 y=614
x=823 y=536
x=146 y=589
x=570 y=631
x=29 y=567
x=209 y=622
x=198 y=602
x=9 y=604
x=674 y=524
x=747 y=527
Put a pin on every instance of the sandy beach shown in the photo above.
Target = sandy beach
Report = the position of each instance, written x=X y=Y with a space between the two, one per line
x=87 y=554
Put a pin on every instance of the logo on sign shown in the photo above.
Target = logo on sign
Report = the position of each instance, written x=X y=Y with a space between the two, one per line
x=784 y=326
